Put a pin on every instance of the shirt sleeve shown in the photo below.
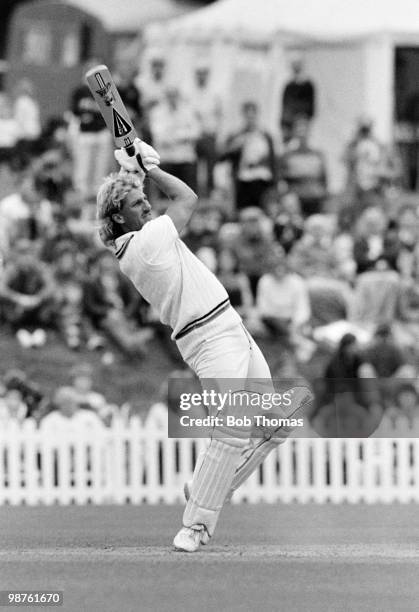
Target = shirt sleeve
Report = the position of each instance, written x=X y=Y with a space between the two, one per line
x=155 y=242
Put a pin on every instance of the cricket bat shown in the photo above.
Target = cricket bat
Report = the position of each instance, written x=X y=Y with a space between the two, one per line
x=113 y=110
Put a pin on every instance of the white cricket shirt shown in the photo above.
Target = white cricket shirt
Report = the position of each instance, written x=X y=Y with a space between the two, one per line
x=167 y=274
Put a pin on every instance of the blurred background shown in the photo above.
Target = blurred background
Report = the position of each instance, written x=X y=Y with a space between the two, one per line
x=297 y=125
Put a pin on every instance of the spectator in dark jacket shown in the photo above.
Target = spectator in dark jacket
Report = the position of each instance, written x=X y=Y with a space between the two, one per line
x=251 y=153
x=27 y=294
x=298 y=99
x=111 y=304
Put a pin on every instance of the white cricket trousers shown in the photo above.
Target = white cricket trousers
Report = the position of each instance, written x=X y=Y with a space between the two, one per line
x=221 y=349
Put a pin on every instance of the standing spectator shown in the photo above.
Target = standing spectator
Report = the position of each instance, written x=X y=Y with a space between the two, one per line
x=251 y=153
x=91 y=145
x=207 y=108
x=304 y=169
x=130 y=94
x=175 y=132
x=153 y=85
x=27 y=115
x=298 y=100
x=364 y=162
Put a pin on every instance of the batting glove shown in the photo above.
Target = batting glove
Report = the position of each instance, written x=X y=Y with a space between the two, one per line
x=145 y=159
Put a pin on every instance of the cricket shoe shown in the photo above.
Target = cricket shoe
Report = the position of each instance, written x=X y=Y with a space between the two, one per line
x=188 y=539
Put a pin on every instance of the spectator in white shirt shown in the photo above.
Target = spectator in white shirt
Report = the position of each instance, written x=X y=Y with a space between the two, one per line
x=175 y=131
x=282 y=299
x=9 y=133
x=27 y=114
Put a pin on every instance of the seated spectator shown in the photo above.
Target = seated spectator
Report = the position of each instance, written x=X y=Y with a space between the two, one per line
x=408 y=309
x=12 y=407
x=203 y=229
x=9 y=134
x=313 y=255
x=376 y=297
x=288 y=225
x=69 y=295
x=235 y=282
x=253 y=244
x=368 y=245
x=304 y=170
x=32 y=397
x=81 y=376
x=401 y=410
x=271 y=203
x=23 y=214
x=65 y=405
x=55 y=136
x=343 y=245
x=408 y=235
x=383 y=354
x=365 y=163
x=52 y=174
x=27 y=296
x=330 y=300
x=208 y=256
x=282 y=300
x=110 y=303
x=252 y=156
x=343 y=376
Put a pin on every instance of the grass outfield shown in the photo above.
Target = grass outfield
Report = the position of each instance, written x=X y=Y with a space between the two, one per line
x=282 y=558
x=139 y=383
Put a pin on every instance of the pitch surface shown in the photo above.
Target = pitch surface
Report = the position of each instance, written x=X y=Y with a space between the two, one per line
x=283 y=558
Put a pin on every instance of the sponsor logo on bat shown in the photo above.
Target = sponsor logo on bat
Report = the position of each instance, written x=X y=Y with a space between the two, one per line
x=105 y=91
x=120 y=126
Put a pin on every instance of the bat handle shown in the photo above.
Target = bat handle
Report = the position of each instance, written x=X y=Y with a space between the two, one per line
x=130 y=149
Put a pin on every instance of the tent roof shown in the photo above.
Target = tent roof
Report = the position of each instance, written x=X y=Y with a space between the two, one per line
x=132 y=15
x=330 y=19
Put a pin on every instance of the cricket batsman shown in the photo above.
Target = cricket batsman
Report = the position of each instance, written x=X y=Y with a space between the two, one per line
x=209 y=333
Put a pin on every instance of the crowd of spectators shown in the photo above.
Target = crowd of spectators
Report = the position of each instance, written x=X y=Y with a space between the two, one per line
x=307 y=271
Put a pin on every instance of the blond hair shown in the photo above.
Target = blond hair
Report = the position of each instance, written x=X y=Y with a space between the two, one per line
x=110 y=199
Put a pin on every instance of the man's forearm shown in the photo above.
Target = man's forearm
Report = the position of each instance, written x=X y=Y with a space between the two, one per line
x=170 y=185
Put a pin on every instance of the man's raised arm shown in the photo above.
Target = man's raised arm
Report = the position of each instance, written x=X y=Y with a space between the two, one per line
x=147 y=160
x=183 y=198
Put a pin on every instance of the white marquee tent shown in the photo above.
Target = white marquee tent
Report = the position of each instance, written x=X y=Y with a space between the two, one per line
x=348 y=48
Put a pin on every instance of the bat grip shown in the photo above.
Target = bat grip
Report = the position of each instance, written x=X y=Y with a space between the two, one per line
x=130 y=149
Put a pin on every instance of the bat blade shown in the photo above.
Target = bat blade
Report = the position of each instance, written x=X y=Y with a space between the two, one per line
x=110 y=104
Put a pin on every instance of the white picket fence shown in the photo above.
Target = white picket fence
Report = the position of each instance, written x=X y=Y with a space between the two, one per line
x=81 y=461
